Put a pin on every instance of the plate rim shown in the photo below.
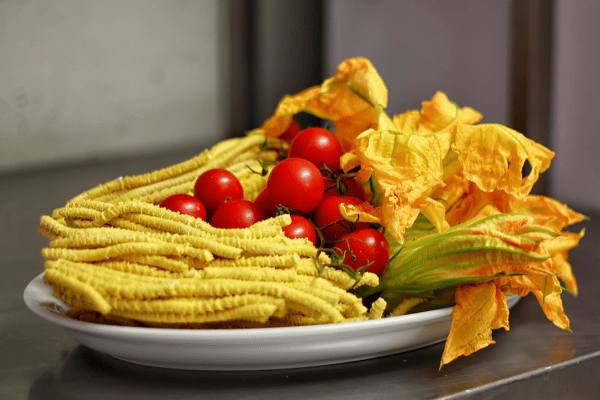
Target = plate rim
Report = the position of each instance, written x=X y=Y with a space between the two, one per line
x=32 y=297
x=236 y=348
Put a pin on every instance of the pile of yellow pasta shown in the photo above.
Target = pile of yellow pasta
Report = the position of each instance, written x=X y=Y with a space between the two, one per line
x=117 y=257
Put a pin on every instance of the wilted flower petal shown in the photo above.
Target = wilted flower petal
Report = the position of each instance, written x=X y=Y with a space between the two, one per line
x=565 y=272
x=492 y=156
x=364 y=212
x=437 y=115
x=407 y=168
x=547 y=291
x=546 y=211
x=479 y=309
x=348 y=99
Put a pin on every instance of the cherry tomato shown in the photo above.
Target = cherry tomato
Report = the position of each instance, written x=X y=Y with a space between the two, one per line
x=236 y=214
x=296 y=183
x=300 y=228
x=264 y=203
x=319 y=146
x=217 y=186
x=346 y=187
x=291 y=132
x=185 y=204
x=329 y=220
x=365 y=246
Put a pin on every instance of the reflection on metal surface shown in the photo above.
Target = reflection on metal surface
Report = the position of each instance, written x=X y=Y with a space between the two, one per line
x=563 y=350
x=92 y=375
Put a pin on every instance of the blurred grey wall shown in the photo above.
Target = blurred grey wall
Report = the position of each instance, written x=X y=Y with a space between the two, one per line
x=287 y=40
x=460 y=47
x=575 y=137
x=84 y=79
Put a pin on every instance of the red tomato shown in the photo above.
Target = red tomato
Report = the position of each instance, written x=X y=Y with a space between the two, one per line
x=346 y=187
x=236 y=214
x=365 y=246
x=217 y=186
x=185 y=204
x=296 y=183
x=300 y=228
x=291 y=132
x=264 y=203
x=319 y=146
x=329 y=220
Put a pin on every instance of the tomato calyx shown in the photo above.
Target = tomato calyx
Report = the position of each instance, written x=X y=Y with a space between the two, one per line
x=347 y=227
x=281 y=210
x=264 y=167
x=333 y=175
x=342 y=184
x=275 y=144
x=337 y=261
x=365 y=246
x=341 y=187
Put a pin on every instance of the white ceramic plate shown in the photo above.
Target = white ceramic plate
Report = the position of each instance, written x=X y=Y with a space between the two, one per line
x=248 y=349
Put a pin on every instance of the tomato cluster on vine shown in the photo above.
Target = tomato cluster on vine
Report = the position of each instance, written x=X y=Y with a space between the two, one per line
x=308 y=184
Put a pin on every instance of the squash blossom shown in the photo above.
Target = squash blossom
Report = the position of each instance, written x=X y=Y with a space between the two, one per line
x=450 y=195
x=477 y=251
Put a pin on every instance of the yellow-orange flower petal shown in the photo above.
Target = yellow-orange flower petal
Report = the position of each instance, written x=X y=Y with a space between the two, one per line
x=547 y=291
x=286 y=109
x=437 y=115
x=492 y=156
x=365 y=212
x=455 y=188
x=547 y=211
x=349 y=160
x=477 y=204
x=480 y=308
x=348 y=99
x=435 y=212
x=565 y=273
x=407 y=167
x=348 y=127
x=360 y=76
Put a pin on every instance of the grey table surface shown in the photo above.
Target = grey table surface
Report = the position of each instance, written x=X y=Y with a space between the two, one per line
x=41 y=361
